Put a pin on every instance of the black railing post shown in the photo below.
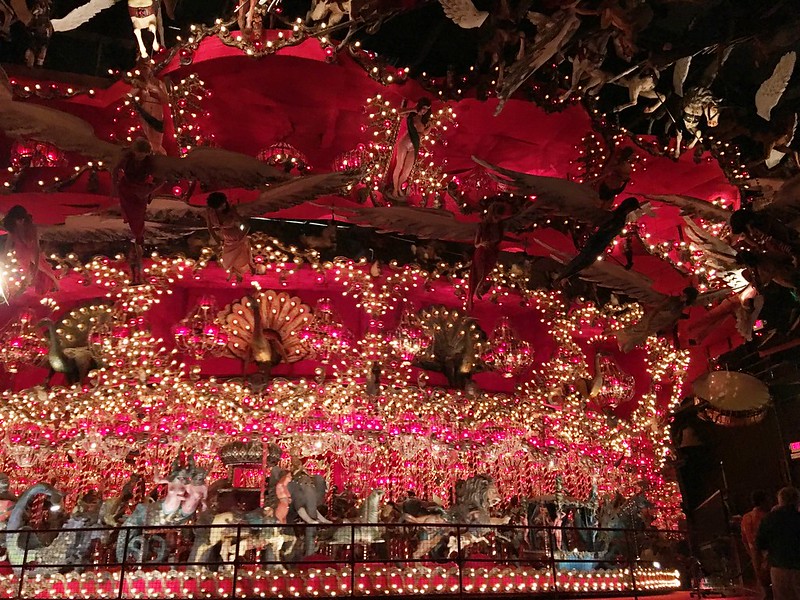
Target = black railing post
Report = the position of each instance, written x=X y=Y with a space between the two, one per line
x=460 y=563
x=236 y=560
x=22 y=568
x=122 y=565
x=352 y=559
x=551 y=544
x=632 y=562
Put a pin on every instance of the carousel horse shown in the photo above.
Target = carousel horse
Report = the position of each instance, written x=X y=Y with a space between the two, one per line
x=186 y=492
x=254 y=533
x=697 y=105
x=146 y=14
x=474 y=498
x=370 y=513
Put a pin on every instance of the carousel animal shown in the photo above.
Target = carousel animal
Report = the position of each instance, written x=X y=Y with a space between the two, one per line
x=642 y=84
x=254 y=532
x=474 y=499
x=144 y=14
x=307 y=496
x=186 y=492
x=330 y=12
x=697 y=106
x=370 y=514
x=27 y=546
x=587 y=63
x=614 y=517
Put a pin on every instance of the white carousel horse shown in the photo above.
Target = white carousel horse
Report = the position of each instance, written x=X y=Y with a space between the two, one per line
x=370 y=513
x=331 y=12
x=249 y=539
x=145 y=14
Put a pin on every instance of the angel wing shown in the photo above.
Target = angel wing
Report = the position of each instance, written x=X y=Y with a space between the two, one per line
x=770 y=92
x=554 y=196
x=463 y=13
x=695 y=207
x=294 y=192
x=214 y=167
x=680 y=72
x=613 y=277
x=556 y=32
x=424 y=223
x=718 y=255
x=23 y=120
x=77 y=17
x=102 y=228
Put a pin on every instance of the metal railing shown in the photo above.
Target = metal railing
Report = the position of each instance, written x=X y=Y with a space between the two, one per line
x=241 y=560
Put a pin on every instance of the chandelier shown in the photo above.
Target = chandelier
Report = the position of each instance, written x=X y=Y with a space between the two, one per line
x=507 y=353
x=410 y=338
x=616 y=386
x=352 y=160
x=22 y=343
x=111 y=335
x=29 y=153
x=199 y=335
x=285 y=156
x=326 y=335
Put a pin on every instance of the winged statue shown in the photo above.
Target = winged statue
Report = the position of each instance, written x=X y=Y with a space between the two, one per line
x=464 y=14
x=662 y=312
x=771 y=225
x=169 y=218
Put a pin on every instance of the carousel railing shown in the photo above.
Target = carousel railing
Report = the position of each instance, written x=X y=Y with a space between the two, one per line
x=359 y=559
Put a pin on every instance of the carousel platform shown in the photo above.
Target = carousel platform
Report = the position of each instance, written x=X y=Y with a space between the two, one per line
x=164 y=564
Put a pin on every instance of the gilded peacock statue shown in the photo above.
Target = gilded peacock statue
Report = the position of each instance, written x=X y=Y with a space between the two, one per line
x=69 y=349
x=264 y=328
x=457 y=343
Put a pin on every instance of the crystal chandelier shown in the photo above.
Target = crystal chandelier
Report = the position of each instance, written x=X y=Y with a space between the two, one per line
x=111 y=335
x=199 y=335
x=616 y=386
x=22 y=343
x=410 y=338
x=326 y=335
x=507 y=353
x=285 y=156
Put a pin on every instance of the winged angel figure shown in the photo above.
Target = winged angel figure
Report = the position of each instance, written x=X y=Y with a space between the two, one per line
x=770 y=225
x=662 y=312
x=554 y=198
x=165 y=219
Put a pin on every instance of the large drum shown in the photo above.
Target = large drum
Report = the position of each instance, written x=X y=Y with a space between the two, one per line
x=731 y=399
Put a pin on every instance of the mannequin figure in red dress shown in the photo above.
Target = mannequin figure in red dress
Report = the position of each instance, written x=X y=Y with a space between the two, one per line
x=134 y=184
x=23 y=238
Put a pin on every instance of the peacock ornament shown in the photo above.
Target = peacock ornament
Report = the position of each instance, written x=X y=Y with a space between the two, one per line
x=264 y=328
x=69 y=351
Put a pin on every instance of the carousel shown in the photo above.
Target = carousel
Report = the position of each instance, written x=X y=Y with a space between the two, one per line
x=283 y=319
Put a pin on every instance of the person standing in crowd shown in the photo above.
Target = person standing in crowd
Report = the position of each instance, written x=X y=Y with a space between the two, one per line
x=750 y=524
x=778 y=540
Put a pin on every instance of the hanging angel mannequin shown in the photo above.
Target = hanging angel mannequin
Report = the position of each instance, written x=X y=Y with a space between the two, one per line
x=487 y=248
x=134 y=185
x=417 y=126
x=23 y=238
x=602 y=238
x=150 y=98
x=229 y=229
x=615 y=176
